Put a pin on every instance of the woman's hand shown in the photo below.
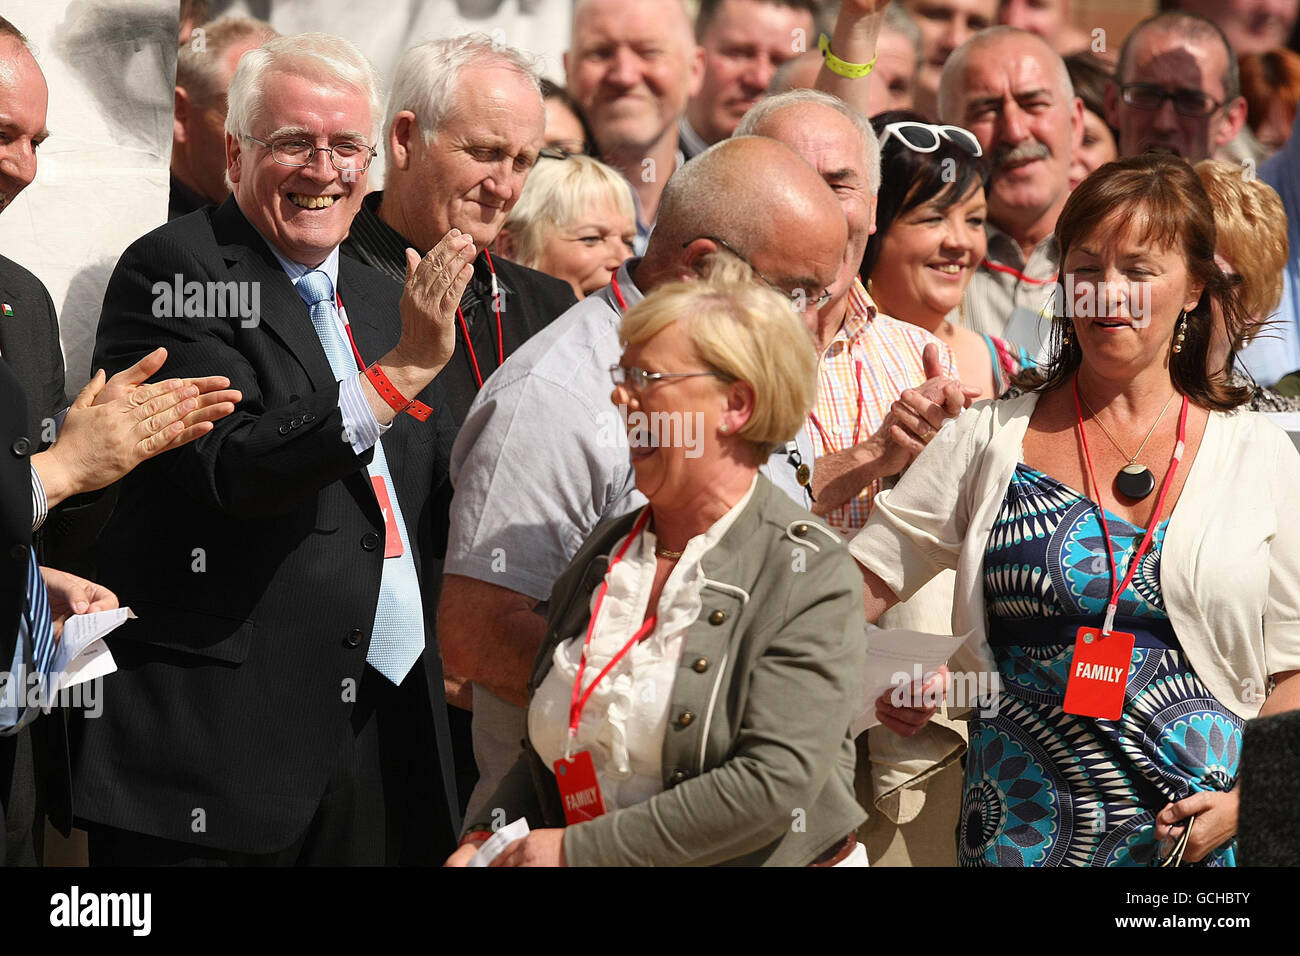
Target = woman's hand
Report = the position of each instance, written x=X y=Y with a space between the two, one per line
x=907 y=721
x=539 y=848
x=1216 y=821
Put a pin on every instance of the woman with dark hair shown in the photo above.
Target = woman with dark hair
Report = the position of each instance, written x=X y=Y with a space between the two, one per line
x=567 y=130
x=929 y=241
x=1089 y=75
x=1127 y=555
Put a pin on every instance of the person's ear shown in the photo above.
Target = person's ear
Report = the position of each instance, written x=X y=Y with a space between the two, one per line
x=234 y=158
x=182 y=110
x=403 y=138
x=1234 y=118
x=505 y=244
x=1112 y=105
x=1076 y=125
x=696 y=71
x=740 y=406
x=693 y=255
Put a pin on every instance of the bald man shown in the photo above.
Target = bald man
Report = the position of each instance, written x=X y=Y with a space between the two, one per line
x=1012 y=90
x=633 y=65
x=542 y=457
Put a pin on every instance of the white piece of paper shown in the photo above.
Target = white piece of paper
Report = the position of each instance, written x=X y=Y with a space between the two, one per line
x=498 y=841
x=897 y=658
x=83 y=654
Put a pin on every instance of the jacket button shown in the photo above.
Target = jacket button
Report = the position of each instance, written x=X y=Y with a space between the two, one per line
x=284 y=429
x=370 y=541
x=308 y=418
x=701 y=665
x=295 y=423
x=685 y=719
x=676 y=777
x=353 y=638
x=717 y=617
x=19 y=553
x=21 y=447
x=801 y=529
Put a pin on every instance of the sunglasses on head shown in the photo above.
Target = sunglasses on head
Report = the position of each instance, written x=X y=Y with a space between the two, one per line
x=924 y=137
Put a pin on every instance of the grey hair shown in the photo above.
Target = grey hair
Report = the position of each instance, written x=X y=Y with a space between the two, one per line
x=900 y=21
x=425 y=80
x=198 y=71
x=769 y=106
x=953 y=79
x=319 y=56
x=1186 y=26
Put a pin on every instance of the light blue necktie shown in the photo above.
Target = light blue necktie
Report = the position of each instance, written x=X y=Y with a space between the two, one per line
x=398 y=636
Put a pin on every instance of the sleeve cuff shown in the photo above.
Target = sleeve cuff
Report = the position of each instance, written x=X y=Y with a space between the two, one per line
x=363 y=428
x=40 y=507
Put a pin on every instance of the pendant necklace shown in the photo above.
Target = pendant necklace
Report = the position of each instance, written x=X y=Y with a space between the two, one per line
x=1134 y=480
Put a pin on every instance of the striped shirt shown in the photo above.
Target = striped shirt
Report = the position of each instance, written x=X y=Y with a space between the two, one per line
x=860 y=375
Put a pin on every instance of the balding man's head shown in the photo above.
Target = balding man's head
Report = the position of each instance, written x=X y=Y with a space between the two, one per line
x=23 y=101
x=632 y=65
x=795 y=237
x=1012 y=90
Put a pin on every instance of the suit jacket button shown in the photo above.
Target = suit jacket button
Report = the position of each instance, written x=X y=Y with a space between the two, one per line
x=685 y=719
x=19 y=553
x=717 y=617
x=370 y=541
x=308 y=418
x=295 y=423
x=284 y=429
x=21 y=447
x=676 y=777
x=701 y=665
x=353 y=638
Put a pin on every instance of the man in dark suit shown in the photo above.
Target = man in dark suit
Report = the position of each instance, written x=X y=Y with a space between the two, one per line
x=271 y=706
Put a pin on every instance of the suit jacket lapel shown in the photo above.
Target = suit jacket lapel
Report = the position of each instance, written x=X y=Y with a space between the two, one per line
x=283 y=311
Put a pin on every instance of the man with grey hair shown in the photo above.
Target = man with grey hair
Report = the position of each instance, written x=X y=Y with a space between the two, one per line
x=543 y=457
x=632 y=65
x=1012 y=90
x=271 y=705
x=463 y=128
x=204 y=66
x=1176 y=88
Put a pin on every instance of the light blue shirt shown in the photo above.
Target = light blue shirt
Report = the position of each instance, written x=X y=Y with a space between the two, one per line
x=363 y=429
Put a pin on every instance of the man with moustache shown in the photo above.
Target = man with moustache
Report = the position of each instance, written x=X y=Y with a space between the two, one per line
x=1012 y=90
x=633 y=65
x=744 y=43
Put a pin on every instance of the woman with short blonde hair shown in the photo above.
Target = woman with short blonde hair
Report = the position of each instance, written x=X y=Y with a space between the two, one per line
x=574 y=220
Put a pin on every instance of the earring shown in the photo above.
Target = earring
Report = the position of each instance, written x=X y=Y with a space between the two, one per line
x=1182 y=332
x=722 y=429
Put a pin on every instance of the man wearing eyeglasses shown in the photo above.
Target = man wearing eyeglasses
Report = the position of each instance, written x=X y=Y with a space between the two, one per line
x=271 y=704
x=1177 y=88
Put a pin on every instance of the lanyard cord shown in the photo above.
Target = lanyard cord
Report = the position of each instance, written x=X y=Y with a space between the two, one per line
x=464 y=326
x=1118 y=589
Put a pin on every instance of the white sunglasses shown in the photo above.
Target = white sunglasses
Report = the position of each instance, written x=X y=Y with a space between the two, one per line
x=924 y=137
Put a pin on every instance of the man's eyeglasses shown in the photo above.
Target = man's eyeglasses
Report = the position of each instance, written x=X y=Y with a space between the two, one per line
x=925 y=137
x=345 y=157
x=799 y=298
x=638 y=378
x=1149 y=97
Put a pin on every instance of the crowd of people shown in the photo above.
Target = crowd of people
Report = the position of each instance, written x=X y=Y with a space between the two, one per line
x=880 y=290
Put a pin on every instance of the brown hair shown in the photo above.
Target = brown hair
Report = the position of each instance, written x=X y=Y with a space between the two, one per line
x=1266 y=77
x=1178 y=213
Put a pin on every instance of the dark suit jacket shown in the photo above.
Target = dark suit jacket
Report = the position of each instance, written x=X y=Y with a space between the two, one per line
x=249 y=555
x=29 y=341
x=15 y=509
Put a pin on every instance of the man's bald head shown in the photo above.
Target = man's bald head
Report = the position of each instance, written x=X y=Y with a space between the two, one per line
x=795 y=237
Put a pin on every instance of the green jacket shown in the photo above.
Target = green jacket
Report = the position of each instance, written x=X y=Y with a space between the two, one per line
x=757 y=758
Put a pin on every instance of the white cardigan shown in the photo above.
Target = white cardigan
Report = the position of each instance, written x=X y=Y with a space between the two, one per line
x=1229 y=568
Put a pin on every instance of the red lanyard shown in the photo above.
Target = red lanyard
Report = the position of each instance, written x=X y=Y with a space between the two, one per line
x=580 y=697
x=1118 y=589
x=1012 y=271
x=857 y=426
x=464 y=327
x=347 y=327
x=618 y=293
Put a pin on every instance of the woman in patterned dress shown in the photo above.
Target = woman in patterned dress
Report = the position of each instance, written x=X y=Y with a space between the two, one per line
x=1018 y=496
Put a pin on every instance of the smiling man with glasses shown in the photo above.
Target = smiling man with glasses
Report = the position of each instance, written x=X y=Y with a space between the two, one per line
x=1177 y=88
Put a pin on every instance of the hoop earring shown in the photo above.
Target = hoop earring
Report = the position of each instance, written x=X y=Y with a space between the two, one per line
x=1182 y=332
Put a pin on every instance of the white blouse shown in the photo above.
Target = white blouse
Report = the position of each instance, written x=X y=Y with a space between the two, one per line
x=624 y=721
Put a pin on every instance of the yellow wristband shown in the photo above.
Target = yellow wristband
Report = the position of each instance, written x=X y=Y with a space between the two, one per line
x=850 y=71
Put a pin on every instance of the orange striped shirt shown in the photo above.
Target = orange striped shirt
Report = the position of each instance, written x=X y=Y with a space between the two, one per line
x=868 y=364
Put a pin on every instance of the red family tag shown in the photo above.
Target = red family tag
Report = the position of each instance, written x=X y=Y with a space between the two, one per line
x=579 y=788
x=1098 y=674
x=392 y=537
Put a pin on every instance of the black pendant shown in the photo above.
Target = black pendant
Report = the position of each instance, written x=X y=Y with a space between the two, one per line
x=1135 y=481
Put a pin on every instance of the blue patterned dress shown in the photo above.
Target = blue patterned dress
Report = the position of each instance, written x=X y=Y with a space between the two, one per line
x=1047 y=788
